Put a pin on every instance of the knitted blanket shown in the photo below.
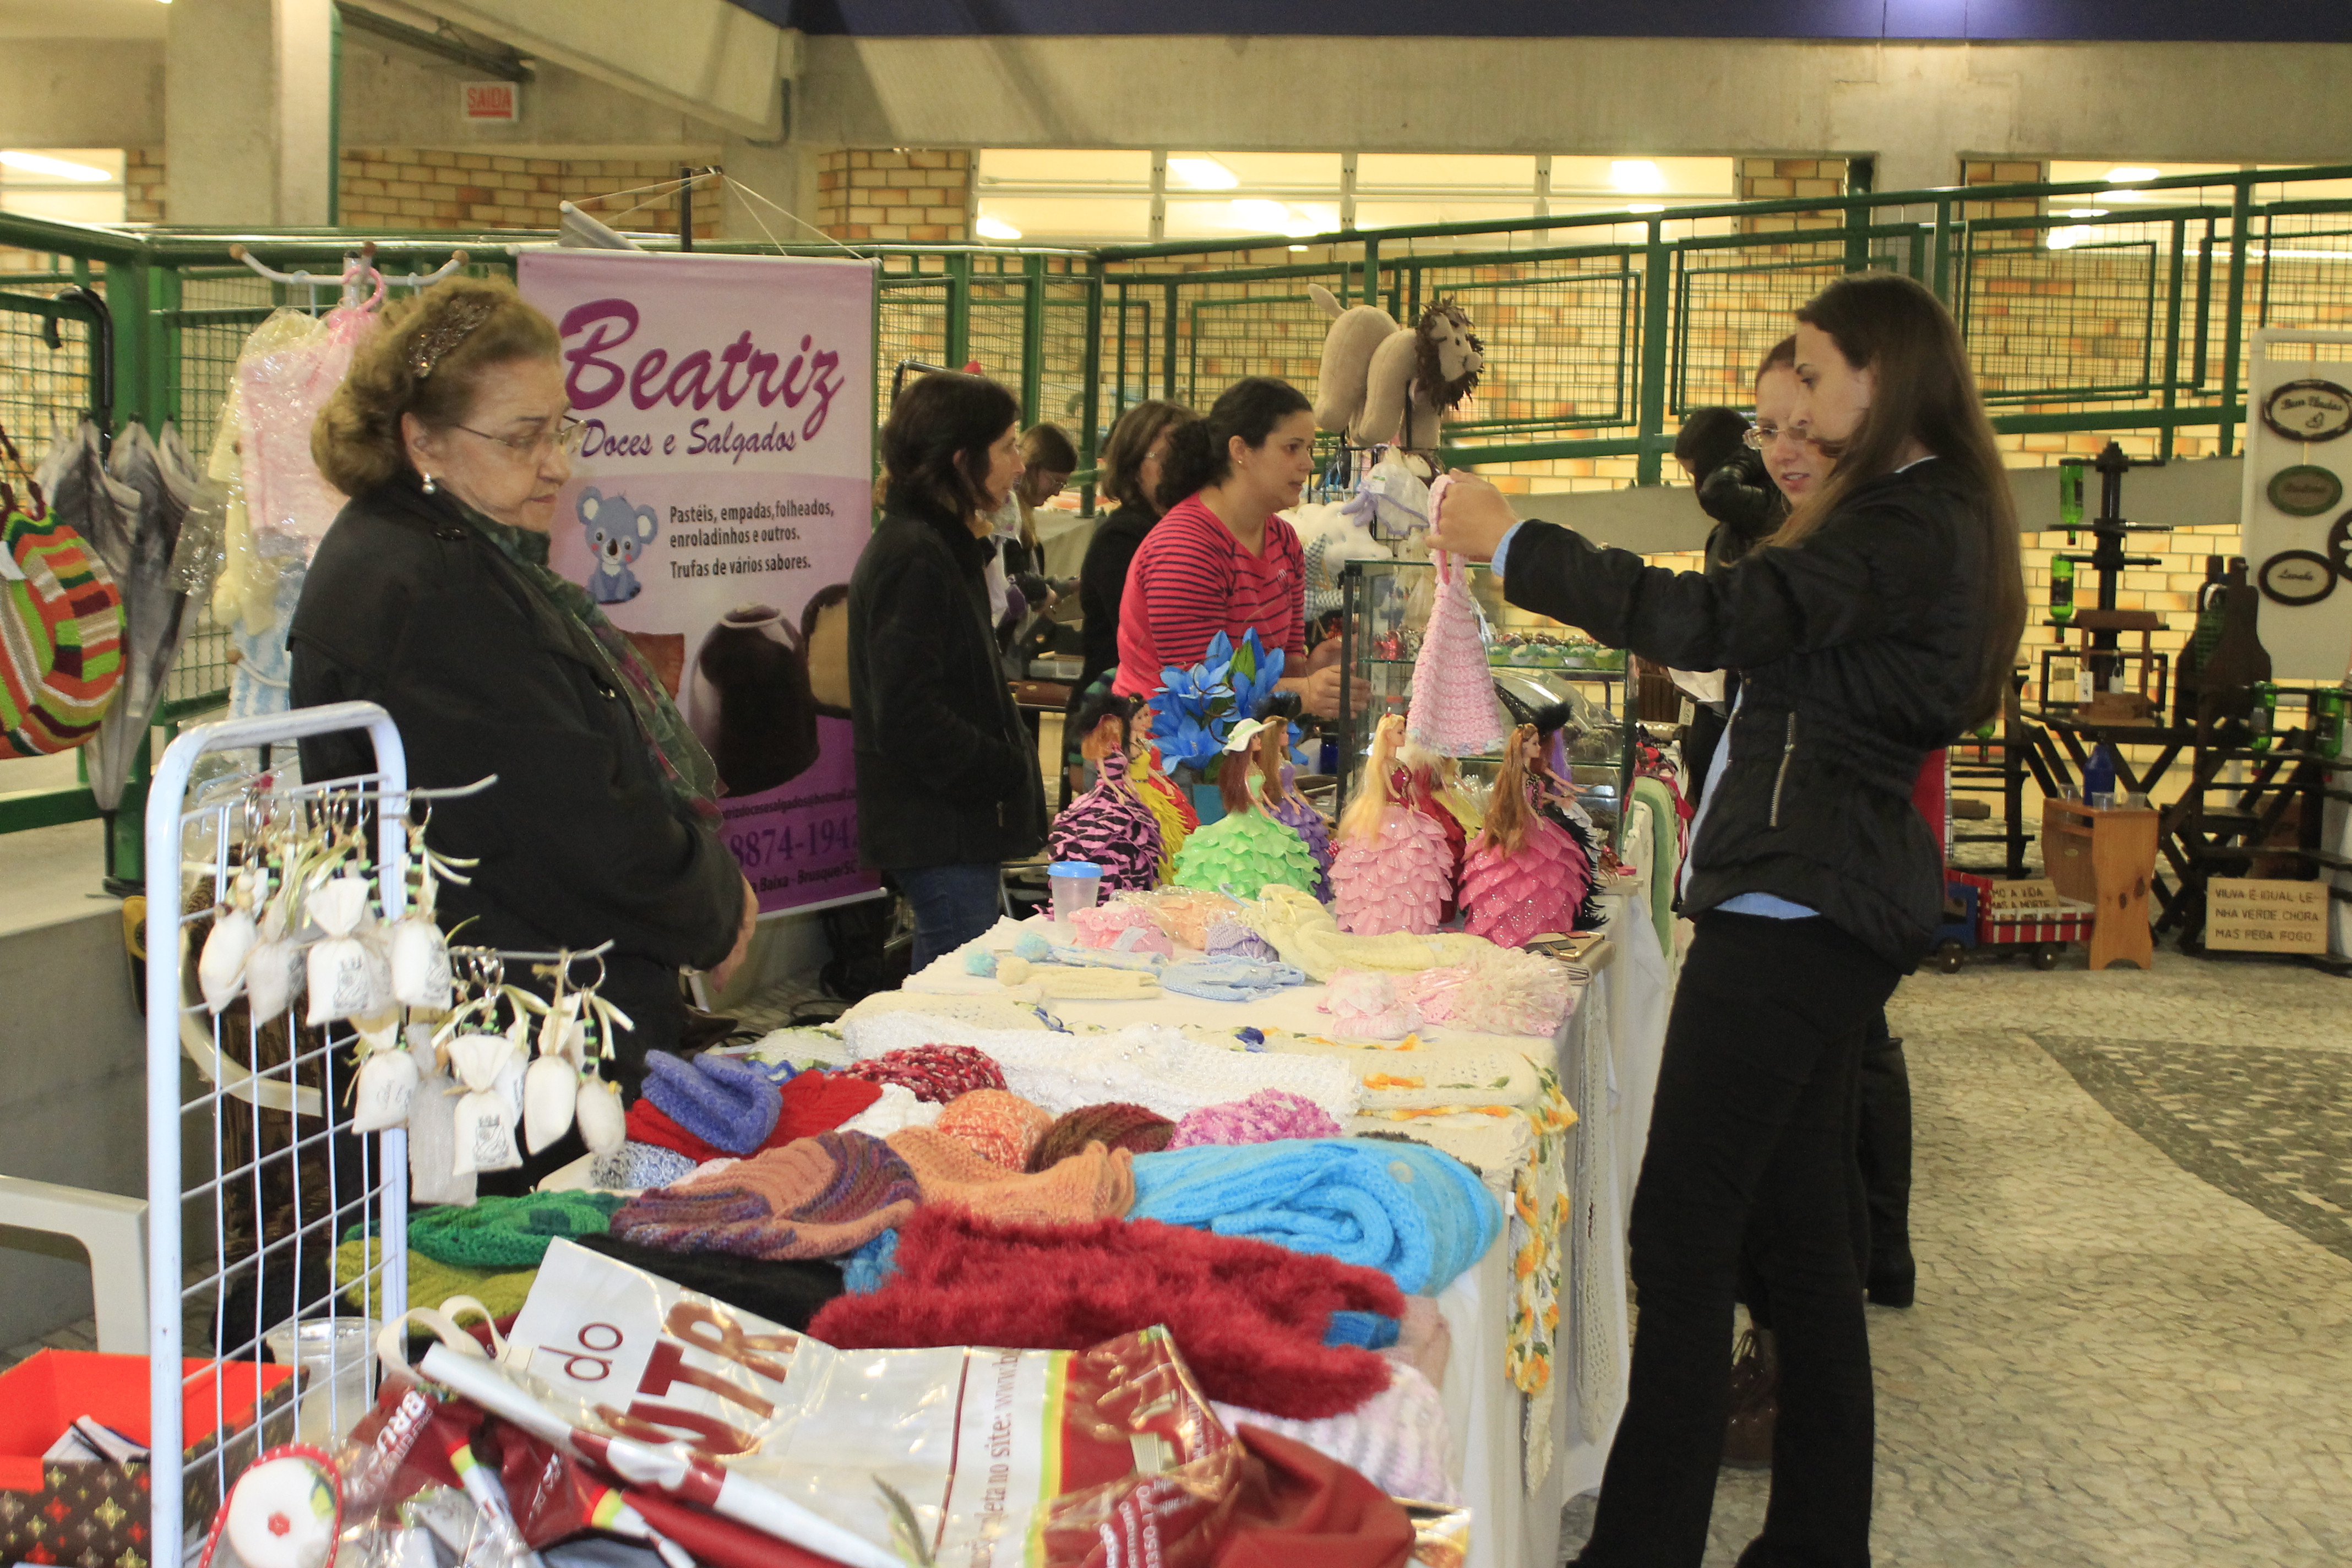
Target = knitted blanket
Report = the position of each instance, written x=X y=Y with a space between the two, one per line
x=1250 y=1319
x=1419 y=1216
x=1095 y=1183
x=497 y=1234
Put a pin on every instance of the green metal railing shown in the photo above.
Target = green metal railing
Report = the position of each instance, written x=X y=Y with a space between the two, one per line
x=1601 y=330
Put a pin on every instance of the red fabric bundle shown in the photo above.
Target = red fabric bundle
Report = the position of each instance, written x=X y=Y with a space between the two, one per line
x=935 y=1073
x=814 y=1102
x=1248 y=1317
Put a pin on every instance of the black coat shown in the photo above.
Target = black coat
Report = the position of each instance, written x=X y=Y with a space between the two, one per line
x=947 y=774
x=1102 y=583
x=1747 y=507
x=407 y=604
x=1858 y=651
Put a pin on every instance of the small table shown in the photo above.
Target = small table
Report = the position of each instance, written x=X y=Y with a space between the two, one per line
x=2106 y=859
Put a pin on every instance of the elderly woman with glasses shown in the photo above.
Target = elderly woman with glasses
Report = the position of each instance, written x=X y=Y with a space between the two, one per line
x=431 y=594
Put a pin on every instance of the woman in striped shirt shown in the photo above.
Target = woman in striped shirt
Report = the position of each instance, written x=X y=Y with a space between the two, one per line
x=1221 y=561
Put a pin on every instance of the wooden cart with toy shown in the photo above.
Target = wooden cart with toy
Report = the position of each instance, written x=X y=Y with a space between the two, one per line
x=2022 y=917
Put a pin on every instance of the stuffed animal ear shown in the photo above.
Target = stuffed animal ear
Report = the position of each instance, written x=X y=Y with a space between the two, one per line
x=1385 y=386
x=1347 y=350
x=1325 y=300
x=589 y=500
x=648 y=523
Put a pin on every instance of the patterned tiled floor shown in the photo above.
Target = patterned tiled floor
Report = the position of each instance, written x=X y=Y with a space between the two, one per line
x=2134 y=1338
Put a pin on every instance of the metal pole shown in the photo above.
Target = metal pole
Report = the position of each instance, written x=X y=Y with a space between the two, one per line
x=2172 y=336
x=686 y=210
x=1032 y=338
x=1658 y=271
x=2233 y=329
x=959 y=310
x=1090 y=378
x=1943 y=283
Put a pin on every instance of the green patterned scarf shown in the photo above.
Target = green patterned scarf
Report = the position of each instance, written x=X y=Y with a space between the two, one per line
x=686 y=768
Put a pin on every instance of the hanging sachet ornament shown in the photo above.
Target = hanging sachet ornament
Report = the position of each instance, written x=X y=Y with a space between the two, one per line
x=1453 y=711
x=420 y=954
x=273 y=968
x=341 y=985
x=386 y=1085
x=489 y=1068
x=220 y=969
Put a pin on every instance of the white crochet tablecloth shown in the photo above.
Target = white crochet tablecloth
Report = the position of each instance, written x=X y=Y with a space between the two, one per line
x=1606 y=1054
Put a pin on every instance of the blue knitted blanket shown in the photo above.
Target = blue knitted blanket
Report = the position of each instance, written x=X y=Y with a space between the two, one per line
x=1420 y=1216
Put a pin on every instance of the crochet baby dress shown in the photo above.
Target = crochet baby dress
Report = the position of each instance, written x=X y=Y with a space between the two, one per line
x=1402 y=880
x=1293 y=812
x=1111 y=826
x=1243 y=852
x=1510 y=899
x=1453 y=711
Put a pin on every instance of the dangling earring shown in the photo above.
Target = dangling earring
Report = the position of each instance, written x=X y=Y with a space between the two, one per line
x=429 y=487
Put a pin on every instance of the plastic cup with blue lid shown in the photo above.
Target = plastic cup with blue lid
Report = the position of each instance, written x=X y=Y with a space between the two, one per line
x=1076 y=884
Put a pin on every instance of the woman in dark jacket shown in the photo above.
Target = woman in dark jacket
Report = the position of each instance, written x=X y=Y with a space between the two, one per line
x=948 y=787
x=1877 y=623
x=1131 y=463
x=431 y=595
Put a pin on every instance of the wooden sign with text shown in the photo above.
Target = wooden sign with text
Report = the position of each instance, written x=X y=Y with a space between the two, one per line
x=2246 y=914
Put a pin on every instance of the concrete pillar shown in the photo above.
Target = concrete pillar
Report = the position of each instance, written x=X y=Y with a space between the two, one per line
x=248 y=91
x=782 y=172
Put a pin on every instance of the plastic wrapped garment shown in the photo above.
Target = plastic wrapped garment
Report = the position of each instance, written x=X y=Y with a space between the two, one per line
x=1454 y=709
x=283 y=383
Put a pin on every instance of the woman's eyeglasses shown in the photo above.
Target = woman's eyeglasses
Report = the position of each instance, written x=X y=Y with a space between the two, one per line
x=564 y=435
x=1758 y=437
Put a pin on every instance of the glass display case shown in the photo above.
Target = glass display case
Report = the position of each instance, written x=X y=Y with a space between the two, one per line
x=1535 y=662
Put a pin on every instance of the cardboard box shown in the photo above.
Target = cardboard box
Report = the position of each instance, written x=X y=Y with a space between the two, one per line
x=96 y=1515
x=2252 y=914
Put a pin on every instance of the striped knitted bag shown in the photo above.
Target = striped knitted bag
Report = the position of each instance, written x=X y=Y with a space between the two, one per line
x=60 y=637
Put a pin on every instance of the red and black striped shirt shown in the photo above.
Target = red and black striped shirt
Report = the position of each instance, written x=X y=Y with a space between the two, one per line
x=1192 y=580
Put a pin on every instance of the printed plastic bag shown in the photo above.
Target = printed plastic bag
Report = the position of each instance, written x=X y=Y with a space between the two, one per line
x=985 y=1458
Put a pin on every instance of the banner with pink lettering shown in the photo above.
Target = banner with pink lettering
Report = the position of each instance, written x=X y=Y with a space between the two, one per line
x=717 y=507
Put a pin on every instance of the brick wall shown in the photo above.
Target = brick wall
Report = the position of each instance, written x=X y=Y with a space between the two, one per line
x=2004 y=172
x=1779 y=179
x=413 y=188
x=914 y=194
x=143 y=180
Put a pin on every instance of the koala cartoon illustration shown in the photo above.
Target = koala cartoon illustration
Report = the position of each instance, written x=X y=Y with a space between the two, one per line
x=618 y=533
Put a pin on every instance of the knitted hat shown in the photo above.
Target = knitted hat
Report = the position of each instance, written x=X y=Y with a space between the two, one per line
x=506 y=1233
x=1120 y=1124
x=635 y=1167
x=1265 y=1117
x=1096 y=1183
x=818 y=1197
x=999 y=1126
x=936 y=1073
x=730 y=1104
x=813 y=1102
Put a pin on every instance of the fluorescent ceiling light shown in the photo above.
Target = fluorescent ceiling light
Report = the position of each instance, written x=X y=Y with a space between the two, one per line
x=56 y=168
x=1636 y=175
x=990 y=227
x=2068 y=237
x=1297 y=248
x=2125 y=173
x=1202 y=174
x=1645 y=207
x=1265 y=216
x=2085 y=212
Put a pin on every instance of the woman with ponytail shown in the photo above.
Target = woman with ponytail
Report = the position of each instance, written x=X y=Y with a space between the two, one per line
x=1220 y=560
x=1880 y=620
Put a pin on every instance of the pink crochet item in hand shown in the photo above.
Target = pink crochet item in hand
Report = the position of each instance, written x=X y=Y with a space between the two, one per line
x=1453 y=711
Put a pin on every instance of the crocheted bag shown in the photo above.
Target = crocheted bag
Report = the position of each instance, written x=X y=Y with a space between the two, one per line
x=60 y=636
x=1511 y=899
x=1453 y=711
x=1111 y=826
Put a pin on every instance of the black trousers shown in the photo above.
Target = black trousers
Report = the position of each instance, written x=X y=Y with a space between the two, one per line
x=1752 y=1141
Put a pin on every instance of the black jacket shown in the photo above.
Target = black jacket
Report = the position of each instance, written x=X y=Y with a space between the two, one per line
x=1857 y=650
x=1745 y=506
x=409 y=606
x=947 y=774
x=1102 y=583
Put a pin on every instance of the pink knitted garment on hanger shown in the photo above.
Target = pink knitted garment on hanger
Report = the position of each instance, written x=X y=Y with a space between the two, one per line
x=281 y=394
x=1453 y=711
x=1510 y=900
x=1111 y=825
x=1399 y=882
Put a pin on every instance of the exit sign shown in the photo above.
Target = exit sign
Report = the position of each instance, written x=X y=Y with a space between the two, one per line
x=498 y=100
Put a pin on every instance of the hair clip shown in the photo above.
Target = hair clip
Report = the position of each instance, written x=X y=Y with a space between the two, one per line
x=434 y=342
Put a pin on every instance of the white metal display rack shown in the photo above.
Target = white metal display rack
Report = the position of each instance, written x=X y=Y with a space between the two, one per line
x=200 y=1177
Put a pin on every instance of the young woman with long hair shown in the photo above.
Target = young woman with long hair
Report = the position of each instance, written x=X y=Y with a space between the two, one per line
x=1877 y=622
x=1220 y=560
x=947 y=775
